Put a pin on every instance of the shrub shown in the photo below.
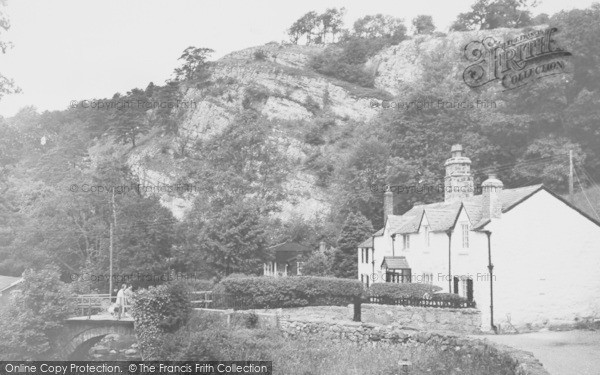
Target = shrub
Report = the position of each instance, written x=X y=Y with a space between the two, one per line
x=266 y=292
x=260 y=55
x=255 y=94
x=404 y=290
x=347 y=63
x=158 y=311
x=311 y=105
x=447 y=297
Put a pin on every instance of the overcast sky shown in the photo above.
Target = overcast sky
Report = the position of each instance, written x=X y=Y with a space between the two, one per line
x=80 y=49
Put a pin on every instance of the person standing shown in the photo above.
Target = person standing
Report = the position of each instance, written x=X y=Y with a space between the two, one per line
x=128 y=294
x=121 y=301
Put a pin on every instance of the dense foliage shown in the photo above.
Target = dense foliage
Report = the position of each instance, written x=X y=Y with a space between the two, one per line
x=275 y=292
x=158 y=311
x=33 y=317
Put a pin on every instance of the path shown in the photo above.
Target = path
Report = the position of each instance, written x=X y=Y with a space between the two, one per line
x=561 y=353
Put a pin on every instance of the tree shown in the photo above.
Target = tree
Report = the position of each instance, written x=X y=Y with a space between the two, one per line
x=308 y=26
x=355 y=230
x=423 y=24
x=380 y=26
x=555 y=172
x=130 y=118
x=332 y=22
x=319 y=263
x=493 y=14
x=194 y=68
x=234 y=239
x=243 y=161
x=34 y=316
x=7 y=86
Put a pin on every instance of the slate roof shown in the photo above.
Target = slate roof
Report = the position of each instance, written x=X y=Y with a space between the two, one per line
x=8 y=281
x=368 y=243
x=288 y=251
x=442 y=216
x=395 y=262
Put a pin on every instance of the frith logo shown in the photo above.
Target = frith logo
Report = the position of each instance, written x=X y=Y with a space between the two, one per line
x=514 y=62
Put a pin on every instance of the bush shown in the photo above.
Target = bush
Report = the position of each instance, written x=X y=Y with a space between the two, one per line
x=447 y=297
x=260 y=55
x=347 y=63
x=255 y=94
x=266 y=292
x=158 y=311
x=404 y=290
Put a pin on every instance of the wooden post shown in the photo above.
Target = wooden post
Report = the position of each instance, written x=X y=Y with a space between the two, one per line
x=357 y=308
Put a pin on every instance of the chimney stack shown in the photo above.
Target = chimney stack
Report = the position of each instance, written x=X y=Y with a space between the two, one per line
x=388 y=203
x=458 y=183
x=490 y=201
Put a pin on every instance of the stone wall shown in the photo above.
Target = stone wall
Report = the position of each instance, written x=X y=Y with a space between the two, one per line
x=516 y=361
x=423 y=318
x=361 y=333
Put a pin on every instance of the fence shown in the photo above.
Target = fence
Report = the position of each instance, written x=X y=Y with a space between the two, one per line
x=221 y=301
x=96 y=303
x=422 y=302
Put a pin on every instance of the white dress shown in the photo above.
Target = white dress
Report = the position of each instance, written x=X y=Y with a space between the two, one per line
x=120 y=298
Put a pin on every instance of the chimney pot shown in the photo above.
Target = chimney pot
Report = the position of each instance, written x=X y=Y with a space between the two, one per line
x=490 y=201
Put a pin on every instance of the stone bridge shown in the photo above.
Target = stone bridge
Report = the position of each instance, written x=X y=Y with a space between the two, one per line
x=80 y=334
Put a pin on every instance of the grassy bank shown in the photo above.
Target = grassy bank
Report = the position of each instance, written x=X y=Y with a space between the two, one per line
x=208 y=339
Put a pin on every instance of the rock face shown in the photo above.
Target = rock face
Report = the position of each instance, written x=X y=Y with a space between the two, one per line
x=277 y=81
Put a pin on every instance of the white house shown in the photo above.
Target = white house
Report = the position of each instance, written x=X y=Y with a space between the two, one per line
x=525 y=255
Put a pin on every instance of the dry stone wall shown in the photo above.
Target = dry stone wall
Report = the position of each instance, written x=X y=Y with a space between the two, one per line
x=423 y=318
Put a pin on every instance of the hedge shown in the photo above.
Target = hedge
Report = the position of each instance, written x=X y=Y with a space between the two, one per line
x=403 y=290
x=447 y=297
x=276 y=292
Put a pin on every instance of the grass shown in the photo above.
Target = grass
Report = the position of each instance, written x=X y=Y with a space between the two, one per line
x=208 y=339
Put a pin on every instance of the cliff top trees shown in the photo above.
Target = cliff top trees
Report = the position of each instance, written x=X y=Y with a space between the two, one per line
x=380 y=26
x=6 y=85
x=423 y=24
x=493 y=14
x=194 y=66
x=315 y=27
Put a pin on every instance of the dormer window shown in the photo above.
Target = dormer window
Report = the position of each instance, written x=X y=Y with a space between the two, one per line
x=465 y=236
x=427 y=238
x=406 y=241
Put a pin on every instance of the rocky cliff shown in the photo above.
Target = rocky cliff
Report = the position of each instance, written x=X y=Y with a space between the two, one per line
x=277 y=81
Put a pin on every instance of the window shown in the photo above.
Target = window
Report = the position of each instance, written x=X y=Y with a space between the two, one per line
x=299 y=268
x=465 y=236
x=366 y=255
x=362 y=278
x=427 y=242
x=362 y=255
x=397 y=276
x=367 y=281
x=406 y=241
